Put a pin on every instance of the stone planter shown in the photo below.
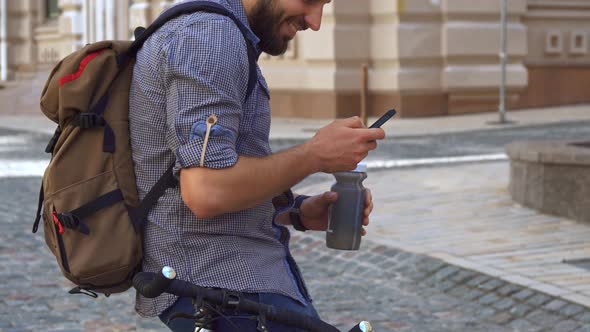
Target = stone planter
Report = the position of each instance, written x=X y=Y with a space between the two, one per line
x=552 y=177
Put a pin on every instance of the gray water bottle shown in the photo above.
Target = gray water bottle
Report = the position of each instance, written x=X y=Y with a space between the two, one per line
x=347 y=213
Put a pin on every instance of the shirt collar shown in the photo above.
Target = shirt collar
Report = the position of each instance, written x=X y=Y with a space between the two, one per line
x=237 y=7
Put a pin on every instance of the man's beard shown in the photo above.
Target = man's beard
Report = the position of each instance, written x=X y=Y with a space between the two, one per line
x=265 y=20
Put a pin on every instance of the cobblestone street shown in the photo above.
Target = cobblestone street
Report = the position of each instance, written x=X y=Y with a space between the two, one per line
x=396 y=290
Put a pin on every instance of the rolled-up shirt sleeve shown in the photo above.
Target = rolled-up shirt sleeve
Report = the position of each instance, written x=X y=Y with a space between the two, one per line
x=206 y=73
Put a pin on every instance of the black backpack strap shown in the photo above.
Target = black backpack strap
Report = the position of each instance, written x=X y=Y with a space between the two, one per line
x=94 y=118
x=98 y=204
x=75 y=219
x=139 y=215
x=188 y=8
x=138 y=31
x=39 y=210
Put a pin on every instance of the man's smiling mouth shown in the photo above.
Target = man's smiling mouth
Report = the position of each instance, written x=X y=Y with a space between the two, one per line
x=294 y=27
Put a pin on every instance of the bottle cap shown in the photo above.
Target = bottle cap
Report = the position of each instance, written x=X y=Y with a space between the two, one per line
x=361 y=167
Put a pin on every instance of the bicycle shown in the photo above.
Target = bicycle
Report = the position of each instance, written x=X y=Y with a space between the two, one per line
x=209 y=301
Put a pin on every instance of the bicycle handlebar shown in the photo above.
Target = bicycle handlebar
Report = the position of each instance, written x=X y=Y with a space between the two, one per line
x=152 y=285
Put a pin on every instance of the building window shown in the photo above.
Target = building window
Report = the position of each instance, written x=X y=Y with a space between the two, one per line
x=52 y=9
x=579 y=42
x=553 y=42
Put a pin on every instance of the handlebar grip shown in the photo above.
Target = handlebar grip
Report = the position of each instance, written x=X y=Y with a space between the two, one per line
x=151 y=285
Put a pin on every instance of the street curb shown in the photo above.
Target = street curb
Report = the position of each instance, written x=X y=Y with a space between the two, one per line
x=40 y=124
x=290 y=141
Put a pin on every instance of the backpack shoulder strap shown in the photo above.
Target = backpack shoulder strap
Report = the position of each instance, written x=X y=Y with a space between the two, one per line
x=139 y=215
x=189 y=8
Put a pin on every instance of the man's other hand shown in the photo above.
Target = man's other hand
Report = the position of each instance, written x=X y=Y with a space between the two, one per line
x=314 y=210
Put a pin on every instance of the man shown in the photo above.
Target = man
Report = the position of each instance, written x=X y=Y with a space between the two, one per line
x=219 y=227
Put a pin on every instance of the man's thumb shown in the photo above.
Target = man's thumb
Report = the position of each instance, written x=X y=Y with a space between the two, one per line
x=353 y=122
x=330 y=197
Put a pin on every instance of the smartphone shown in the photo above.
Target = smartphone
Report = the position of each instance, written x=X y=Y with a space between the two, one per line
x=388 y=115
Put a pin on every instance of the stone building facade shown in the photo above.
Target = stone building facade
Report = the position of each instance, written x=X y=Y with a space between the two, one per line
x=425 y=57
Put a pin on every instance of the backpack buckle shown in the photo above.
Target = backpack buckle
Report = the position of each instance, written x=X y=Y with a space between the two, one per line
x=72 y=221
x=69 y=220
x=88 y=120
x=53 y=140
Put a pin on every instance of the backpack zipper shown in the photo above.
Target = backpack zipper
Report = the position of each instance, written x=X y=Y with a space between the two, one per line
x=59 y=230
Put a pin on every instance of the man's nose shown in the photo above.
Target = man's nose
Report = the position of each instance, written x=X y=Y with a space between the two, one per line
x=314 y=18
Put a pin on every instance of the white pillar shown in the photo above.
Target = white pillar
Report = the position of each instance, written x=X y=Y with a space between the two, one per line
x=71 y=25
x=99 y=12
x=89 y=17
x=122 y=9
x=110 y=18
x=85 y=32
x=165 y=4
x=139 y=14
x=3 y=42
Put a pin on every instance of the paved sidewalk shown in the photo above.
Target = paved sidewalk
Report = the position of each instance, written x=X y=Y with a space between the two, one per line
x=305 y=128
x=464 y=215
x=296 y=129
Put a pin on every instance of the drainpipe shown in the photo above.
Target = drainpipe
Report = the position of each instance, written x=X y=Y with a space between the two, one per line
x=503 y=60
x=3 y=42
x=85 y=27
x=99 y=24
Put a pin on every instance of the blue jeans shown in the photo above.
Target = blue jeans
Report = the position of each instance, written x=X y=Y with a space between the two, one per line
x=239 y=320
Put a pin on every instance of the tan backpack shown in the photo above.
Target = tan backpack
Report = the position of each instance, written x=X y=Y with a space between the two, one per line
x=89 y=201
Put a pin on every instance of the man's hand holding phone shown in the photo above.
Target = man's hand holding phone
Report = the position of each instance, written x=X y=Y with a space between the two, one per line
x=342 y=144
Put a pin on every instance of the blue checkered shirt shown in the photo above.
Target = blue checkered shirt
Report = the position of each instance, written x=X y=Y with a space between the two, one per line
x=194 y=66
